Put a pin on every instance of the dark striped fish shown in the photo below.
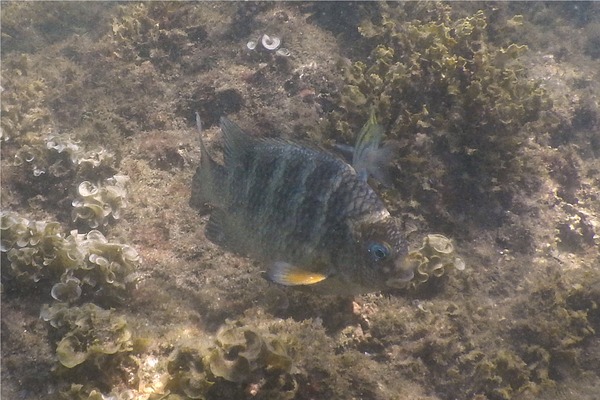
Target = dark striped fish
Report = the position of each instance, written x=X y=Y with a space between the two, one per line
x=304 y=212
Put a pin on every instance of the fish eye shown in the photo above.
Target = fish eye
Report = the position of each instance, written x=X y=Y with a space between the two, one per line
x=379 y=251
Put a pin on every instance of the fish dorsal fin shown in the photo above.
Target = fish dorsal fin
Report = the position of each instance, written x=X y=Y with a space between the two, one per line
x=236 y=141
x=290 y=275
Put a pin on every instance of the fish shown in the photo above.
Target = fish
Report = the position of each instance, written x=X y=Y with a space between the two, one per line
x=308 y=215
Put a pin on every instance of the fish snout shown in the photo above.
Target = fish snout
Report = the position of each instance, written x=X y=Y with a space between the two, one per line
x=403 y=272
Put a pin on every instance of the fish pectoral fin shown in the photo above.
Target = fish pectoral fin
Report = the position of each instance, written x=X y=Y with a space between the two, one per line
x=221 y=230
x=289 y=275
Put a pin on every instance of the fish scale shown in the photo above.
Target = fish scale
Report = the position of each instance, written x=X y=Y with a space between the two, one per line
x=306 y=213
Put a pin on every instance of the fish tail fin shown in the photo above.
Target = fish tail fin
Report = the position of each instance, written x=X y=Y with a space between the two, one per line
x=209 y=177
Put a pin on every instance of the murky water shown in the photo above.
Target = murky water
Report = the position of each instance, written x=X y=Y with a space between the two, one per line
x=111 y=288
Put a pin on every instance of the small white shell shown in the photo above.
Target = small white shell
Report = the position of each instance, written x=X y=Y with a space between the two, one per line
x=251 y=45
x=270 y=43
x=37 y=171
x=283 y=52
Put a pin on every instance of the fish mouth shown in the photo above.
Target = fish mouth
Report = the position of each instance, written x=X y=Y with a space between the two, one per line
x=403 y=274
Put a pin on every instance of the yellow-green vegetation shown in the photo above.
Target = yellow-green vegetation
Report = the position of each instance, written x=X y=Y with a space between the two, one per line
x=49 y=166
x=24 y=111
x=454 y=100
x=96 y=203
x=60 y=155
x=94 y=91
x=239 y=358
x=72 y=265
x=91 y=341
x=161 y=33
x=87 y=333
x=79 y=391
x=433 y=258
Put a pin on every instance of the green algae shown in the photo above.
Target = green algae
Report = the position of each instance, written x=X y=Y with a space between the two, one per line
x=87 y=333
x=433 y=259
x=239 y=354
x=456 y=339
x=445 y=91
x=98 y=203
x=39 y=251
x=24 y=111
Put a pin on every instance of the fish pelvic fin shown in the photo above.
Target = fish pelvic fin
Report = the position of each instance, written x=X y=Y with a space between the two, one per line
x=369 y=159
x=221 y=230
x=290 y=275
x=209 y=178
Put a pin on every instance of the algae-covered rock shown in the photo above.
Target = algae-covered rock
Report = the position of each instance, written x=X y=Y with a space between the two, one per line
x=161 y=33
x=456 y=101
x=240 y=359
x=74 y=264
x=241 y=352
x=88 y=333
x=188 y=373
x=24 y=108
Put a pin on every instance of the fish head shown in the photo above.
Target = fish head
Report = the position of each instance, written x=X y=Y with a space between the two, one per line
x=383 y=250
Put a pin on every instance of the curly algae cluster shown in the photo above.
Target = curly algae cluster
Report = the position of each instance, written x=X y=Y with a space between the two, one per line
x=76 y=264
x=241 y=358
x=160 y=33
x=60 y=155
x=433 y=258
x=88 y=332
x=458 y=104
x=96 y=203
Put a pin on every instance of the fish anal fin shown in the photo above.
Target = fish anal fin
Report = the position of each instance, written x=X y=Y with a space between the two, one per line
x=290 y=275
